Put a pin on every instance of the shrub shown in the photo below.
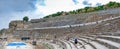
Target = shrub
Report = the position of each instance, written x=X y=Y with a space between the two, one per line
x=25 y=18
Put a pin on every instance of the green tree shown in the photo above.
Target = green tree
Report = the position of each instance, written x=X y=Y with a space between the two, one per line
x=83 y=11
x=86 y=9
x=25 y=18
x=91 y=9
x=99 y=8
x=78 y=10
x=110 y=4
x=47 y=16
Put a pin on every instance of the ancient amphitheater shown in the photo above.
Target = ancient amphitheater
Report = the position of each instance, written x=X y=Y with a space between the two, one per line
x=101 y=30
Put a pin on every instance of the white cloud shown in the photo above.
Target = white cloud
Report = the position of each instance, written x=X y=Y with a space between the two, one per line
x=53 y=6
x=75 y=2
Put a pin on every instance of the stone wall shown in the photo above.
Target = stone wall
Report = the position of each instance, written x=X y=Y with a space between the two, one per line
x=18 y=24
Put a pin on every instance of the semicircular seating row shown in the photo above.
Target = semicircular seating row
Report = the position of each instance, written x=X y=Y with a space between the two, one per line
x=89 y=42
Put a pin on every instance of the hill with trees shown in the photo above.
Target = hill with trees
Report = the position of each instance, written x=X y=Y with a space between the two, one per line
x=109 y=5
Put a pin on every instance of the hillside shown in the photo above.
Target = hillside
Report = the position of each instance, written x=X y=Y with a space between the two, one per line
x=88 y=9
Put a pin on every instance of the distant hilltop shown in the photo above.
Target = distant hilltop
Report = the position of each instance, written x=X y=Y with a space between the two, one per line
x=109 y=5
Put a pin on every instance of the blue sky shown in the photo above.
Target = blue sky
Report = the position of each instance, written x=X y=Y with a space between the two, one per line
x=17 y=9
